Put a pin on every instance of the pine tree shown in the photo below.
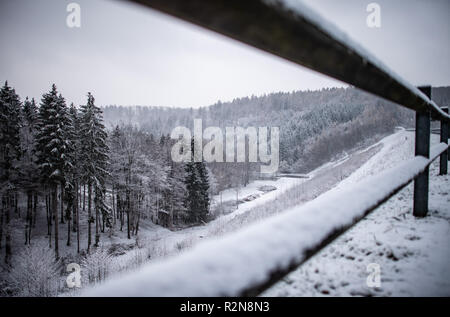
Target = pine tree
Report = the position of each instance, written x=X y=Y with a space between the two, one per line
x=197 y=189
x=203 y=190
x=10 y=149
x=95 y=160
x=52 y=149
x=71 y=173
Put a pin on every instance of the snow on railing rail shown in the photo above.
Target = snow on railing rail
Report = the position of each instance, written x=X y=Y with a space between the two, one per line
x=251 y=260
x=291 y=30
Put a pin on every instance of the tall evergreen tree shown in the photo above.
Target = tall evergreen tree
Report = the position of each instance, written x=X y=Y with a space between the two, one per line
x=95 y=160
x=203 y=190
x=30 y=113
x=53 y=146
x=197 y=189
x=10 y=152
x=192 y=201
x=71 y=173
x=117 y=168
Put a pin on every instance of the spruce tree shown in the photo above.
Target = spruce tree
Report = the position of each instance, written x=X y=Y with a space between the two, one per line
x=71 y=172
x=197 y=189
x=203 y=190
x=95 y=163
x=76 y=171
x=52 y=148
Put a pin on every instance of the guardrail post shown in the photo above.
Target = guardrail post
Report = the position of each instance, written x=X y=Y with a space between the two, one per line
x=422 y=148
x=444 y=139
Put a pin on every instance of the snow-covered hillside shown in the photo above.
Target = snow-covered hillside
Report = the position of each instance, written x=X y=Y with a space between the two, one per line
x=413 y=254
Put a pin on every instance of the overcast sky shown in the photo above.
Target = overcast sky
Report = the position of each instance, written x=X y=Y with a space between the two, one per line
x=129 y=55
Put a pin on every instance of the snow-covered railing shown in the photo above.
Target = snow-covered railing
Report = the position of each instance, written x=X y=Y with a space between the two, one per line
x=251 y=260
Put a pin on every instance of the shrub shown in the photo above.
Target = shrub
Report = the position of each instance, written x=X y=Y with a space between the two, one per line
x=35 y=272
x=96 y=266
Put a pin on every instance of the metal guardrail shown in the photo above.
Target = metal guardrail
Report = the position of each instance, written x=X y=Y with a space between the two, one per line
x=298 y=35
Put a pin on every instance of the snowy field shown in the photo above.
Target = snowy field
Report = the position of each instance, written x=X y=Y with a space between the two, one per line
x=413 y=254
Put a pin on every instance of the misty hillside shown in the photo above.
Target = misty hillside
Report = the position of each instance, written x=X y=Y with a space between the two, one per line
x=315 y=126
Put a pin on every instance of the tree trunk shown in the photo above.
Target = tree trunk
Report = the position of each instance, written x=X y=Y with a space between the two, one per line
x=2 y=212
x=97 y=221
x=84 y=198
x=97 y=224
x=171 y=222
x=103 y=215
x=49 y=218
x=62 y=202
x=28 y=216
x=69 y=207
x=46 y=213
x=8 y=251
x=128 y=215
x=16 y=204
x=113 y=207
x=75 y=207
x=89 y=216
x=137 y=220
x=120 y=210
x=35 y=201
x=30 y=225
x=55 y=212
x=103 y=222
x=78 y=222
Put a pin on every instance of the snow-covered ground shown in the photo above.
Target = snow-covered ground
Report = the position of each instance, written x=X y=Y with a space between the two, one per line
x=413 y=254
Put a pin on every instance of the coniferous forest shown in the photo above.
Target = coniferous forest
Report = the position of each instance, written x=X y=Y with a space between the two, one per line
x=59 y=163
